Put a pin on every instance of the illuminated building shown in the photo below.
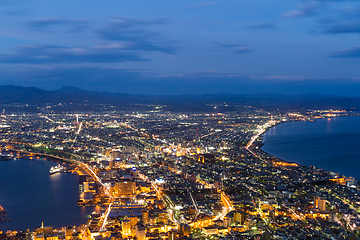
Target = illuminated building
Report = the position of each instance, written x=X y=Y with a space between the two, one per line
x=152 y=220
x=126 y=227
x=145 y=187
x=206 y=158
x=130 y=149
x=125 y=188
x=211 y=230
x=162 y=216
x=111 y=164
x=320 y=203
x=133 y=221
x=82 y=178
x=185 y=229
x=89 y=186
x=115 y=155
x=192 y=178
x=87 y=196
x=227 y=221
x=172 y=235
x=145 y=216
x=140 y=232
x=237 y=217
x=192 y=210
x=218 y=184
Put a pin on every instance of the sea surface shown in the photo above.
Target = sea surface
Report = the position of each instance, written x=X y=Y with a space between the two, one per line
x=332 y=144
x=30 y=195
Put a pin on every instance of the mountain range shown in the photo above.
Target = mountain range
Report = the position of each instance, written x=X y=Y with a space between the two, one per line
x=70 y=98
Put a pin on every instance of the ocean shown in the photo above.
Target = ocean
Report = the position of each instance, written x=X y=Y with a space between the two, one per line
x=332 y=144
x=30 y=196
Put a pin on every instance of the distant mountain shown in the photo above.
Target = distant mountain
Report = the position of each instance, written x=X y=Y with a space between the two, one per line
x=70 y=89
x=72 y=98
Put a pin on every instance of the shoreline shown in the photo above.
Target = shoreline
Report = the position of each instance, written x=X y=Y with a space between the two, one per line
x=81 y=214
x=288 y=161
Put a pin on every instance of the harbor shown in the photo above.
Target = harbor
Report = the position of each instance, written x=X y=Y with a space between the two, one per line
x=32 y=195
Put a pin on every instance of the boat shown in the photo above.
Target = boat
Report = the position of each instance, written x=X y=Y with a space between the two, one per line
x=55 y=169
x=6 y=155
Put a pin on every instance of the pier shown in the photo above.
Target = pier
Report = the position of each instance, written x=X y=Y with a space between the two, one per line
x=3 y=215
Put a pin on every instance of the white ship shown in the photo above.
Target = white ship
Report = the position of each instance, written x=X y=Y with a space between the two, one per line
x=57 y=168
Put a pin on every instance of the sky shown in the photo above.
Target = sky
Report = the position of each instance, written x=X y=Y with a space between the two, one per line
x=167 y=47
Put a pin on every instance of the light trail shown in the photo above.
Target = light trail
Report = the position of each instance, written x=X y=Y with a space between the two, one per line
x=105 y=217
x=47 y=118
x=91 y=172
x=226 y=209
x=254 y=138
x=170 y=209
x=195 y=204
x=77 y=133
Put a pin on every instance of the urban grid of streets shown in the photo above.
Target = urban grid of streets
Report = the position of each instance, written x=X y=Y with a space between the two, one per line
x=157 y=174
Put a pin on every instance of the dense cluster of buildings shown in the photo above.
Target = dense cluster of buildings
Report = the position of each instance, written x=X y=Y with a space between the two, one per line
x=187 y=176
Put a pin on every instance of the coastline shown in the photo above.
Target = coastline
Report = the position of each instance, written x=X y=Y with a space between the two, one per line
x=56 y=188
x=262 y=144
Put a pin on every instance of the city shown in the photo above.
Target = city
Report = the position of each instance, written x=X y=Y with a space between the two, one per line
x=162 y=175
x=191 y=119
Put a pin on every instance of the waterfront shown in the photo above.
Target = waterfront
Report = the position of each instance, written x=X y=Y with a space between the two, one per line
x=31 y=195
x=330 y=143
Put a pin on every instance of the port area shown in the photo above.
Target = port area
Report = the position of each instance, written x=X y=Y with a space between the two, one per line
x=3 y=215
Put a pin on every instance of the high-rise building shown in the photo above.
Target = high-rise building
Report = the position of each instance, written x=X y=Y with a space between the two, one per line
x=111 y=164
x=162 y=216
x=192 y=178
x=218 y=184
x=185 y=229
x=320 y=203
x=206 y=158
x=115 y=155
x=140 y=232
x=130 y=149
x=126 y=227
x=145 y=216
x=125 y=188
x=172 y=235
x=133 y=221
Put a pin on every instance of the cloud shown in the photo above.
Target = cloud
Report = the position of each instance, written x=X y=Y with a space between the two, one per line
x=304 y=9
x=261 y=26
x=40 y=54
x=347 y=21
x=131 y=33
x=84 y=77
x=233 y=47
x=201 y=82
x=241 y=50
x=204 y=4
x=14 y=12
x=344 y=27
x=48 y=24
x=347 y=53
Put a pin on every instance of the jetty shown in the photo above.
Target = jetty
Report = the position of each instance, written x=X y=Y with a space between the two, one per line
x=3 y=215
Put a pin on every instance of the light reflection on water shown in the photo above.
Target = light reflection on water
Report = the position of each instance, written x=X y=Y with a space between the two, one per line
x=31 y=195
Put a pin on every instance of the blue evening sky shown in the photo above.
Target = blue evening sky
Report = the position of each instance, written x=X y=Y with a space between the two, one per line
x=177 y=47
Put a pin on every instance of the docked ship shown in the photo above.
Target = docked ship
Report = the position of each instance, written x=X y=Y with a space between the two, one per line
x=57 y=168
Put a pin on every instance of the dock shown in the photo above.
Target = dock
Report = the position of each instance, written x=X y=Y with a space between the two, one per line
x=3 y=215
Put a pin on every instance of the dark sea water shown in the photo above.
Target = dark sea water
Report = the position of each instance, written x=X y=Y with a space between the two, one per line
x=332 y=144
x=31 y=195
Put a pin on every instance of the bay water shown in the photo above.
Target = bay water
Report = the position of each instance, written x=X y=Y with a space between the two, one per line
x=331 y=143
x=30 y=196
